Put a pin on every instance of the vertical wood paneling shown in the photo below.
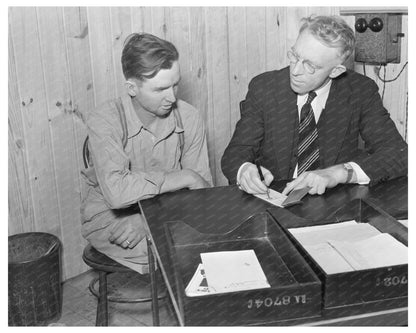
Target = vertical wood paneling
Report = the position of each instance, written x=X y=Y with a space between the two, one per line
x=81 y=83
x=179 y=33
x=141 y=19
x=59 y=106
x=294 y=15
x=350 y=20
x=198 y=62
x=30 y=79
x=237 y=49
x=158 y=26
x=219 y=132
x=100 y=38
x=121 y=28
x=276 y=47
x=21 y=214
x=317 y=10
x=256 y=41
x=64 y=61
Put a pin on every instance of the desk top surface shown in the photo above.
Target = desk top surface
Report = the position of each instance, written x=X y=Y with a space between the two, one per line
x=221 y=209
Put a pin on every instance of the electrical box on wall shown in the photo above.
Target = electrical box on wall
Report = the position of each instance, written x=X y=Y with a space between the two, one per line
x=378 y=38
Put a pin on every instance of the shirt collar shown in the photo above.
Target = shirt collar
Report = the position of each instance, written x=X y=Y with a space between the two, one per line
x=321 y=96
x=134 y=124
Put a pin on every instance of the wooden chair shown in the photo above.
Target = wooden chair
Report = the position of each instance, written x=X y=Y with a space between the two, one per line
x=104 y=266
x=242 y=105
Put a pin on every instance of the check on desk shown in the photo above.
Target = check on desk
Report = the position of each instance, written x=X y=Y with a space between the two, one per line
x=276 y=198
x=280 y=200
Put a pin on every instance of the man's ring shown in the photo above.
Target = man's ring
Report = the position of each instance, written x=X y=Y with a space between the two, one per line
x=128 y=243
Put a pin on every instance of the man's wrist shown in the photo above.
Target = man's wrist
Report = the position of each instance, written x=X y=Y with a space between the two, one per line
x=339 y=173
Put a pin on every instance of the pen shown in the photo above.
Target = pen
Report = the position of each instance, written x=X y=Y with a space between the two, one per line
x=261 y=176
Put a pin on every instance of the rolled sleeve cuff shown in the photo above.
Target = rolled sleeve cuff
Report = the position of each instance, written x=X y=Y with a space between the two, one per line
x=361 y=176
x=239 y=171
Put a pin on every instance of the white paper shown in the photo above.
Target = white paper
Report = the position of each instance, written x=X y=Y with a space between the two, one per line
x=323 y=227
x=348 y=246
x=229 y=271
x=328 y=258
x=276 y=198
x=379 y=251
x=344 y=231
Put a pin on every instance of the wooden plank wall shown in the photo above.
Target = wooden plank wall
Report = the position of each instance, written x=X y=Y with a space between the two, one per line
x=64 y=61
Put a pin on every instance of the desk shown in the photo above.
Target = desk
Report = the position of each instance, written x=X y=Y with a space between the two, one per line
x=221 y=209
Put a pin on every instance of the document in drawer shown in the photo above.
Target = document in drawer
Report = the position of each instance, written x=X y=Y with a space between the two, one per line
x=229 y=271
x=350 y=246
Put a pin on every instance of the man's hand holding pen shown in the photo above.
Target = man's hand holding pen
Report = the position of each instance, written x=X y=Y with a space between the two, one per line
x=254 y=178
x=262 y=176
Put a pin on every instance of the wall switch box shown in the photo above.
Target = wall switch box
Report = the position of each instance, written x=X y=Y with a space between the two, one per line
x=378 y=38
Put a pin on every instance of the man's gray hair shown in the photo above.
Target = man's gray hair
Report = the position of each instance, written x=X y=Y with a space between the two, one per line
x=333 y=31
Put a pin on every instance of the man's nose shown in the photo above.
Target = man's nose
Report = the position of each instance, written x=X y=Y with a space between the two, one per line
x=170 y=95
x=297 y=68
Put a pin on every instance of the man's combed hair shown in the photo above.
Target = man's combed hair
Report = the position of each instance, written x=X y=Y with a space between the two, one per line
x=144 y=55
x=333 y=31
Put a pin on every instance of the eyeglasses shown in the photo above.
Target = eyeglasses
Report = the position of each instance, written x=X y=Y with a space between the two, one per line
x=307 y=65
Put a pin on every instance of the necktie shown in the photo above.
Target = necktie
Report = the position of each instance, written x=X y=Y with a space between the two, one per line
x=308 y=149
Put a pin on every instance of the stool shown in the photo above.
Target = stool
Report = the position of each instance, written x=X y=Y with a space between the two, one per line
x=105 y=265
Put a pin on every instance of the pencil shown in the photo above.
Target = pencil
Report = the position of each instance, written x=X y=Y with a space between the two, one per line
x=261 y=176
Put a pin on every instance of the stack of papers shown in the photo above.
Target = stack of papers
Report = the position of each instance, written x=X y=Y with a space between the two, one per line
x=349 y=246
x=378 y=251
x=227 y=271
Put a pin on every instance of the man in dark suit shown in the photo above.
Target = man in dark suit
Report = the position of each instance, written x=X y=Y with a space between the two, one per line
x=305 y=121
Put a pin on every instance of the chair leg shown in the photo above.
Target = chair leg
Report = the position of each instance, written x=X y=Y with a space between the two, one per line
x=102 y=307
x=153 y=284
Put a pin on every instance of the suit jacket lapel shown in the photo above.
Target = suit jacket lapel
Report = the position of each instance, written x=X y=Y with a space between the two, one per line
x=334 y=121
x=284 y=121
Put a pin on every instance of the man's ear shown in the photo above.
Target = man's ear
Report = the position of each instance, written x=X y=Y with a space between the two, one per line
x=337 y=71
x=131 y=87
